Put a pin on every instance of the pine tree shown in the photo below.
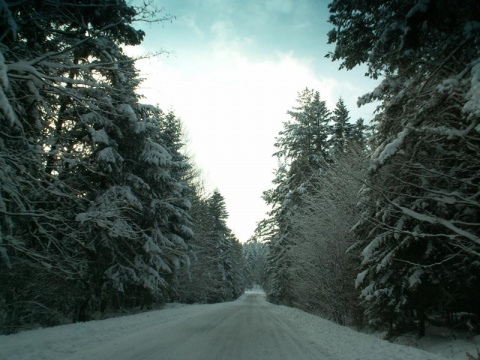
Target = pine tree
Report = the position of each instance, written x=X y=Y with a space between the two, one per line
x=303 y=149
x=418 y=233
x=305 y=136
x=138 y=220
x=195 y=284
x=73 y=113
x=359 y=135
x=236 y=271
x=55 y=64
x=221 y=234
x=342 y=129
x=216 y=271
x=255 y=254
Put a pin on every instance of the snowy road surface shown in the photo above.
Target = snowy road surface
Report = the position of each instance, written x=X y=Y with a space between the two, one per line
x=249 y=328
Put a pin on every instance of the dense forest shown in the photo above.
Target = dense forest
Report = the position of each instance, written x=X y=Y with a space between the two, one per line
x=372 y=223
x=100 y=209
x=379 y=226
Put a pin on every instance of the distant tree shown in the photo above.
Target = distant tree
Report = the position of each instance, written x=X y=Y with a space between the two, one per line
x=359 y=136
x=216 y=268
x=196 y=283
x=255 y=255
x=342 y=129
x=236 y=271
x=223 y=243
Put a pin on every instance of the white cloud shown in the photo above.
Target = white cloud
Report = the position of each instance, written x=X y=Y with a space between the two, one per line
x=226 y=43
x=190 y=22
x=233 y=111
x=233 y=94
x=233 y=107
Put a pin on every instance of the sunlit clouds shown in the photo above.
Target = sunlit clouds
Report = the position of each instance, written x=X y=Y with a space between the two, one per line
x=233 y=96
x=232 y=110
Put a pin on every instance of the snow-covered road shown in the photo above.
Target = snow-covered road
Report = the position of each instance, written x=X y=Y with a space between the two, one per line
x=249 y=328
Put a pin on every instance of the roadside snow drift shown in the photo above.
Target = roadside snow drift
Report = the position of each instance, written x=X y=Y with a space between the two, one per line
x=248 y=328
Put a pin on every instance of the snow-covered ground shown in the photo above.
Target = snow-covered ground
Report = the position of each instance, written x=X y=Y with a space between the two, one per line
x=248 y=328
x=451 y=345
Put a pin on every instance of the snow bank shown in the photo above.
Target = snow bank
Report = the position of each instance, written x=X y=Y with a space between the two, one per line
x=60 y=342
x=445 y=342
x=345 y=343
x=338 y=342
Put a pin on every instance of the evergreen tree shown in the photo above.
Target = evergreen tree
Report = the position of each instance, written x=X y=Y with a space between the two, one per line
x=255 y=254
x=418 y=234
x=342 y=129
x=196 y=283
x=313 y=208
x=236 y=271
x=138 y=222
x=56 y=72
x=221 y=234
x=305 y=136
x=276 y=229
x=359 y=135
x=110 y=221
x=303 y=149
x=216 y=269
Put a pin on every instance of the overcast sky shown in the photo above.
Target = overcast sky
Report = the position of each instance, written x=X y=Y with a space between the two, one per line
x=233 y=69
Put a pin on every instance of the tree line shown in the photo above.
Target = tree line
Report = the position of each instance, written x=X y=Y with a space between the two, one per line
x=383 y=229
x=321 y=156
x=100 y=209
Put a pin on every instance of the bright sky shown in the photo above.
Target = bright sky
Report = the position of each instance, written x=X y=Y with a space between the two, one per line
x=233 y=70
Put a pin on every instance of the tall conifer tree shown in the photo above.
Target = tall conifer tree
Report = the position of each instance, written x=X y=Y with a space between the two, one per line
x=419 y=232
x=303 y=149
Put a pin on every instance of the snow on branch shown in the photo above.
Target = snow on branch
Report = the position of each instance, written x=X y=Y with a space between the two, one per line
x=127 y=110
x=389 y=150
x=23 y=70
x=388 y=85
x=155 y=154
x=108 y=155
x=472 y=105
x=5 y=105
x=435 y=220
x=449 y=132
